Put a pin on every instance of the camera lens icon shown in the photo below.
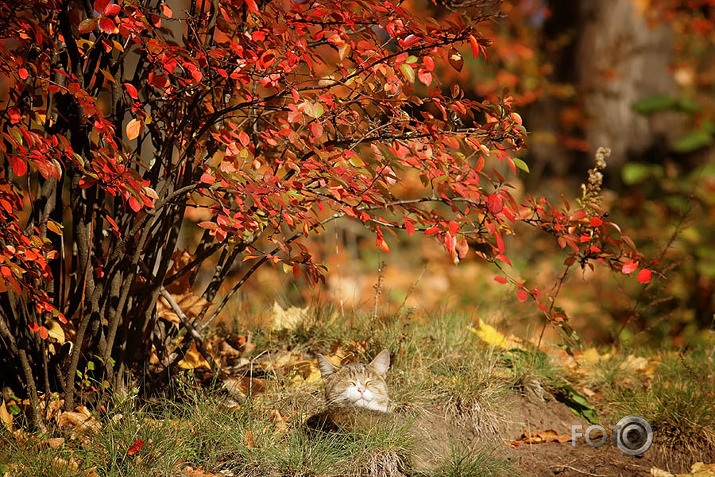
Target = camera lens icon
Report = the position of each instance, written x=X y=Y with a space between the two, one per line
x=633 y=435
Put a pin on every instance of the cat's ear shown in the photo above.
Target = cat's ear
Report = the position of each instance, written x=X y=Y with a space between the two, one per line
x=381 y=362
x=326 y=367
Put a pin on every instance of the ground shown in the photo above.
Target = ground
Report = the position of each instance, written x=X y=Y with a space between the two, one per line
x=467 y=400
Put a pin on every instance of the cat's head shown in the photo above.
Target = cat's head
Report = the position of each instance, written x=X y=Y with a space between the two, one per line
x=357 y=384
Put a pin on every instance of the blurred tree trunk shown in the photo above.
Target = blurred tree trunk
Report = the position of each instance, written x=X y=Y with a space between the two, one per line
x=613 y=58
x=621 y=59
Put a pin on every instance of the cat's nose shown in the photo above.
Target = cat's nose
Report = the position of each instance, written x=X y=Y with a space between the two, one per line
x=361 y=389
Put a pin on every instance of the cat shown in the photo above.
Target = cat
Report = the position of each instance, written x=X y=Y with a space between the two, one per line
x=354 y=394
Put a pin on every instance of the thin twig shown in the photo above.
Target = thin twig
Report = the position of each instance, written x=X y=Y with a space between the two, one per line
x=585 y=472
x=412 y=288
x=195 y=335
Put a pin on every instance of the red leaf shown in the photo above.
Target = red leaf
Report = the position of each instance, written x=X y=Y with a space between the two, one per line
x=522 y=295
x=425 y=77
x=501 y=280
x=251 y=5
x=33 y=326
x=453 y=228
x=138 y=445
x=596 y=222
x=100 y=5
x=112 y=9
x=644 y=275
x=135 y=204
x=296 y=271
x=115 y=227
x=107 y=25
x=131 y=90
x=14 y=114
x=19 y=166
x=475 y=46
x=432 y=231
x=494 y=203
x=383 y=245
x=409 y=227
x=23 y=73
x=207 y=178
x=317 y=129
x=630 y=267
x=44 y=333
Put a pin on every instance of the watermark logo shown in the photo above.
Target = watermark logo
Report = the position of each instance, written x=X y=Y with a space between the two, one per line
x=633 y=435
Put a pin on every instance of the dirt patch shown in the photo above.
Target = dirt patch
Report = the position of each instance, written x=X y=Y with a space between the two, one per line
x=564 y=459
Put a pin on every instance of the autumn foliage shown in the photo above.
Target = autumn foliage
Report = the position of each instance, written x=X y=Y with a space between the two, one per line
x=129 y=124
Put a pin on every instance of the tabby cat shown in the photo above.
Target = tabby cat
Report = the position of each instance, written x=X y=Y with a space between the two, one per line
x=354 y=393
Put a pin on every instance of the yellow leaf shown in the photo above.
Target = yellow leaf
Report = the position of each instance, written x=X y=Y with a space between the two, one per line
x=289 y=318
x=55 y=331
x=134 y=128
x=490 y=335
x=5 y=416
x=193 y=359
x=589 y=357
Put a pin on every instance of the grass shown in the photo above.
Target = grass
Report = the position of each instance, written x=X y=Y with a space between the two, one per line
x=446 y=385
x=678 y=401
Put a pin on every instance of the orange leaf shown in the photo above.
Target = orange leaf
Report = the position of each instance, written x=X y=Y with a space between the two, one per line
x=54 y=227
x=134 y=128
x=501 y=280
x=166 y=10
x=249 y=441
x=207 y=178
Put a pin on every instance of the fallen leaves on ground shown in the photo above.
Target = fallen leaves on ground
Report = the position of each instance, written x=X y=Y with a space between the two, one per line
x=243 y=387
x=193 y=359
x=249 y=441
x=699 y=469
x=289 y=318
x=541 y=437
x=80 y=421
